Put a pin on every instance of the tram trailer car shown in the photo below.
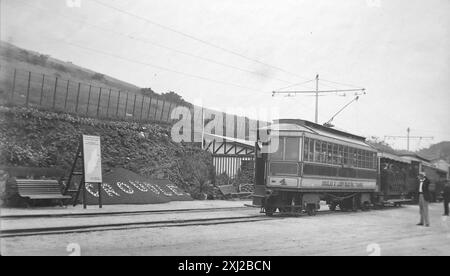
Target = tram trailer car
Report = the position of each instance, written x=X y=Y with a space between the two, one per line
x=437 y=179
x=313 y=163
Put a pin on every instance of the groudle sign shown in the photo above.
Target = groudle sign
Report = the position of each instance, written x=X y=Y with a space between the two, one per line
x=135 y=186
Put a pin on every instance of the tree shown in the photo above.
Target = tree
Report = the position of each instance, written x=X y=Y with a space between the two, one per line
x=175 y=98
x=149 y=92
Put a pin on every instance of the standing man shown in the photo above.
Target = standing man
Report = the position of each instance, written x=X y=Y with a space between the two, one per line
x=446 y=194
x=424 y=198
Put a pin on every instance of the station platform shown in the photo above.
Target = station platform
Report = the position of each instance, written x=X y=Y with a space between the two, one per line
x=121 y=209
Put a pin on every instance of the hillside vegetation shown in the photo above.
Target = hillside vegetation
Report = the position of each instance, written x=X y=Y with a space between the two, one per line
x=33 y=138
x=437 y=151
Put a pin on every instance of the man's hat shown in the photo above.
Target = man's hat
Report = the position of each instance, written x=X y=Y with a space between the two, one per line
x=422 y=174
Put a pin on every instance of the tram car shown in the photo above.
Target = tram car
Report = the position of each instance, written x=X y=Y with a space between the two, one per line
x=437 y=178
x=302 y=163
x=436 y=175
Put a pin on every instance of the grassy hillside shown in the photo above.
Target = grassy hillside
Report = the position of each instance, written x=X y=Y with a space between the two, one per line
x=15 y=57
x=44 y=82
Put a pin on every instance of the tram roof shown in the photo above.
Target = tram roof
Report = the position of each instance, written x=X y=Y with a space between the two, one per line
x=303 y=125
x=297 y=125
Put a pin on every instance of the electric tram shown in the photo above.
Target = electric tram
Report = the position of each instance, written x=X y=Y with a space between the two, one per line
x=302 y=163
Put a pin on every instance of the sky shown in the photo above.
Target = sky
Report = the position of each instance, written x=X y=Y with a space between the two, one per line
x=230 y=55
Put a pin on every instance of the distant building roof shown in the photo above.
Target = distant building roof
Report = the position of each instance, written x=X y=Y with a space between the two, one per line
x=412 y=155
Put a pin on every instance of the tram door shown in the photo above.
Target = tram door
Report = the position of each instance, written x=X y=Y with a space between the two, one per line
x=260 y=175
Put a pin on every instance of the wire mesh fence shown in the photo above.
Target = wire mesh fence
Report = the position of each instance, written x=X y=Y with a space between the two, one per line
x=31 y=89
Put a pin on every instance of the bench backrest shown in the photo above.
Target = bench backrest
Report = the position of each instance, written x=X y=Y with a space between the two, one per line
x=37 y=187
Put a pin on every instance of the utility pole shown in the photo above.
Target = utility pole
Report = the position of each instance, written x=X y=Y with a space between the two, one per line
x=317 y=99
x=408 y=132
x=317 y=93
x=408 y=137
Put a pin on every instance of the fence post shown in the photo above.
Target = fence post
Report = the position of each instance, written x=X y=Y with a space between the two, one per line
x=118 y=101
x=168 y=113
x=134 y=104
x=98 y=102
x=14 y=84
x=78 y=97
x=109 y=100
x=162 y=110
x=54 y=92
x=67 y=95
x=126 y=106
x=28 y=89
x=42 y=89
x=149 y=107
x=142 y=107
x=89 y=99
x=156 y=109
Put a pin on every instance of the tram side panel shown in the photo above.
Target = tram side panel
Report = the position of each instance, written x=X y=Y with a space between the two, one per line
x=328 y=171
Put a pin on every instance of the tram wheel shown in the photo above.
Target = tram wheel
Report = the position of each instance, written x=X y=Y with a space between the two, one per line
x=311 y=209
x=365 y=206
x=332 y=206
x=269 y=211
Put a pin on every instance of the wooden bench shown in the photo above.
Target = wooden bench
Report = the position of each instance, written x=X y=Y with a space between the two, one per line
x=232 y=191
x=33 y=189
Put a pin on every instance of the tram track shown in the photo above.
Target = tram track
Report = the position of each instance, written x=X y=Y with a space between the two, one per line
x=57 y=230
x=119 y=213
x=9 y=233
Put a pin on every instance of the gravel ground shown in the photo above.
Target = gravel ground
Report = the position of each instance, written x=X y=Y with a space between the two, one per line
x=378 y=232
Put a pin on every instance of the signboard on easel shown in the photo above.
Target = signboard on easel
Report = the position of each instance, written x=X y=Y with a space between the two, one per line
x=92 y=159
x=90 y=155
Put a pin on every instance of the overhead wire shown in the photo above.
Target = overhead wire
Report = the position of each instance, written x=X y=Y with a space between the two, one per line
x=157 y=44
x=154 y=23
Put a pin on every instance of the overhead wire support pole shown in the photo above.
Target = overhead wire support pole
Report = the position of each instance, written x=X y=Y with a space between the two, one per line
x=317 y=93
x=408 y=137
x=317 y=99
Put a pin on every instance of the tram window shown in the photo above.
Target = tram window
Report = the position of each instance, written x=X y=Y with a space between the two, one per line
x=368 y=156
x=329 y=153
x=363 y=158
x=340 y=156
x=311 y=150
x=323 y=158
x=278 y=155
x=350 y=156
x=353 y=157
x=335 y=154
x=317 y=151
x=292 y=149
x=346 y=162
x=359 y=158
x=306 y=149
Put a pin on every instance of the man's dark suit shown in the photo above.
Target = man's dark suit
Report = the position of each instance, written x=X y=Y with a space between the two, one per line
x=425 y=189
x=424 y=198
x=446 y=194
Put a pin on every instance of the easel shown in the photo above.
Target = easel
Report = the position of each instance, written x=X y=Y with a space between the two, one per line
x=82 y=186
